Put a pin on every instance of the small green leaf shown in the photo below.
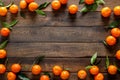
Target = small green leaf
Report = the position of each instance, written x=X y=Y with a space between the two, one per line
x=104 y=42
x=44 y=5
x=93 y=58
x=81 y=1
x=114 y=24
x=22 y=76
x=84 y=9
x=39 y=59
x=40 y=12
x=92 y=7
x=107 y=62
x=88 y=67
x=9 y=25
x=119 y=69
x=3 y=44
x=1 y=3
x=100 y=2
x=9 y=4
x=13 y=23
x=22 y=14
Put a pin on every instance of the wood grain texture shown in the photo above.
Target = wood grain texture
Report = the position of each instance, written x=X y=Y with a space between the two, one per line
x=58 y=49
x=108 y=3
x=74 y=64
x=73 y=76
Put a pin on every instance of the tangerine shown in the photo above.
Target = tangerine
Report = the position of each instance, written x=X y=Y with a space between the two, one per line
x=57 y=70
x=73 y=9
x=15 y=68
x=94 y=70
x=64 y=75
x=36 y=69
x=82 y=74
x=13 y=9
x=56 y=4
x=23 y=4
x=99 y=76
x=115 y=32
x=32 y=6
x=2 y=69
x=3 y=53
x=11 y=76
x=112 y=69
x=5 y=32
x=106 y=12
x=3 y=11
x=110 y=40
x=117 y=10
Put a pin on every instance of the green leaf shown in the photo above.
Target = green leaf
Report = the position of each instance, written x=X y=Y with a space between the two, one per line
x=104 y=42
x=1 y=3
x=11 y=3
x=3 y=44
x=81 y=1
x=119 y=69
x=84 y=9
x=22 y=76
x=92 y=7
x=40 y=12
x=44 y=5
x=13 y=23
x=114 y=24
x=88 y=67
x=39 y=59
x=22 y=14
x=9 y=25
x=93 y=58
x=107 y=62
x=100 y=2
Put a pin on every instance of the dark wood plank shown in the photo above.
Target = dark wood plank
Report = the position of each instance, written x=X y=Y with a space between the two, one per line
x=74 y=64
x=108 y=3
x=59 y=19
x=58 y=49
x=73 y=76
x=59 y=34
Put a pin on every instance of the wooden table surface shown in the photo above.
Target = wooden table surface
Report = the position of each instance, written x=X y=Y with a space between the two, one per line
x=65 y=40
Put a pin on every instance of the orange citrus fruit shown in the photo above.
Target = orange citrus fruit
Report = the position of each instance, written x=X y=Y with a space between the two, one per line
x=23 y=4
x=99 y=76
x=112 y=69
x=82 y=74
x=115 y=32
x=89 y=2
x=73 y=9
x=57 y=70
x=94 y=70
x=32 y=6
x=11 y=76
x=29 y=1
x=117 y=10
x=3 y=11
x=118 y=55
x=2 y=69
x=63 y=1
x=64 y=75
x=44 y=77
x=36 y=69
x=110 y=40
x=5 y=32
x=3 y=53
x=13 y=9
x=55 y=4
x=15 y=68
x=106 y=12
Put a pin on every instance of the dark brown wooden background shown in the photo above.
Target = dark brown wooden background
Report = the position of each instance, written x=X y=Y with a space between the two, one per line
x=65 y=40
